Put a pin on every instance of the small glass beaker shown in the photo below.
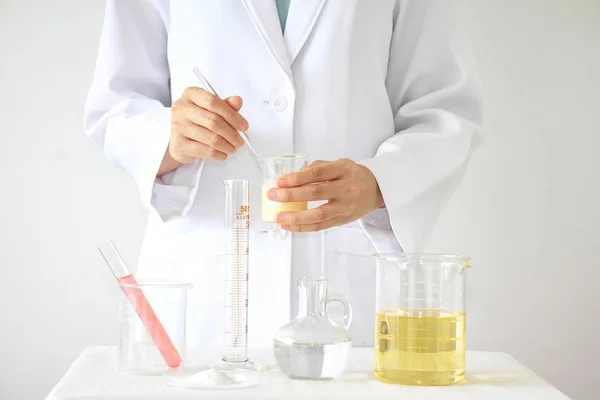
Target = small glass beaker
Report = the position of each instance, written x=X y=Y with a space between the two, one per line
x=420 y=322
x=312 y=346
x=275 y=166
x=153 y=326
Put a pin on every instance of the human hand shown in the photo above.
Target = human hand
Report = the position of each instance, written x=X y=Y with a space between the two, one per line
x=202 y=125
x=350 y=189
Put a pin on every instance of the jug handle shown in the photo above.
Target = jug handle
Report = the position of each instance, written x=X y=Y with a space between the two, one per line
x=347 y=308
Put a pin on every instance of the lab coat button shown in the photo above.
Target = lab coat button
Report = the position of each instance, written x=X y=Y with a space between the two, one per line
x=279 y=103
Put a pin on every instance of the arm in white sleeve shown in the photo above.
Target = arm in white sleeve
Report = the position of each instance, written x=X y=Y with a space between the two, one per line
x=127 y=112
x=435 y=96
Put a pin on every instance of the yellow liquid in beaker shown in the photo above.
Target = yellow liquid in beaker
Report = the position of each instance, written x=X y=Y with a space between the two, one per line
x=270 y=208
x=420 y=347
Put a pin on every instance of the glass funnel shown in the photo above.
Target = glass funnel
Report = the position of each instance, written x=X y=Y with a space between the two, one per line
x=420 y=321
x=273 y=167
x=312 y=346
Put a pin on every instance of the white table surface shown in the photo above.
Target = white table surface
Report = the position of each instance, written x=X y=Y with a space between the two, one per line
x=490 y=376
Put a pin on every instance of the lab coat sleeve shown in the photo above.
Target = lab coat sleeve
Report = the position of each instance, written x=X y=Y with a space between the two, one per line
x=436 y=100
x=127 y=112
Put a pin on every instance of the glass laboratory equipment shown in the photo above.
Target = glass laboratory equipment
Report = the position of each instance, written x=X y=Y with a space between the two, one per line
x=237 y=228
x=152 y=315
x=312 y=346
x=420 y=321
x=273 y=167
x=153 y=326
x=234 y=370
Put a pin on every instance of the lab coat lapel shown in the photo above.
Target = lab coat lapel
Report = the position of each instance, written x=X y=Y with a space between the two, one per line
x=302 y=16
x=266 y=21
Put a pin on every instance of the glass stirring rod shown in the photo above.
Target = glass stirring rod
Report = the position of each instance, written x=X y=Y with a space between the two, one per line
x=208 y=87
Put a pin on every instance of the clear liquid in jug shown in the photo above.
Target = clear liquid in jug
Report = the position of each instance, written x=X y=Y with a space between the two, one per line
x=312 y=361
x=420 y=347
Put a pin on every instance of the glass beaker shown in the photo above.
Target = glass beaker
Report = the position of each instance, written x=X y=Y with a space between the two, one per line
x=273 y=167
x=312 y=346
x=153 y=326
x=420 y=322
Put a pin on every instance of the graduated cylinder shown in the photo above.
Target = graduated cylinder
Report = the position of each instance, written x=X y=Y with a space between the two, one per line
x=237 y=224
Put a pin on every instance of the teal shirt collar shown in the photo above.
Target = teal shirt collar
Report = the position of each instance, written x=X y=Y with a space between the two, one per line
x=283 y=7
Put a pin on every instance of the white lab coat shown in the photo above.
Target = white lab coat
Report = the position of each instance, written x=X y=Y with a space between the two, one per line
x=385 y=83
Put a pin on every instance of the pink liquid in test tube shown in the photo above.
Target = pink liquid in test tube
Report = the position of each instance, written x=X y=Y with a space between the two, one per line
x=141 y=305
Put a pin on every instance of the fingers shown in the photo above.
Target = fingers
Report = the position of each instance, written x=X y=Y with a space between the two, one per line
x=318 y=162
x=312 y=216
x=209 y=138
x=330 y=223
x=311 y=192
x=316 y=172
x=202 y=125
x=234 y=102
x=186 y=150
x=216 y=124
x=212 y=103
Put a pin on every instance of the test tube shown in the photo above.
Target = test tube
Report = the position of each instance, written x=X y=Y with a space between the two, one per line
x=141 y=305
x=237 y=226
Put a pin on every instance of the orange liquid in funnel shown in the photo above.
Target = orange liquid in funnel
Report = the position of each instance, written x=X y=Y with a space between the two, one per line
x=151 y=323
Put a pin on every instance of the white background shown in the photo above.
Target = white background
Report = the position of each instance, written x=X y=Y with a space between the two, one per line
x=527 y=211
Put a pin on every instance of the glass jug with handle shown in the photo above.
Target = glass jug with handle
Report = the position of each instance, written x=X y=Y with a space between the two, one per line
x=420 y=322
x=312 y=346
